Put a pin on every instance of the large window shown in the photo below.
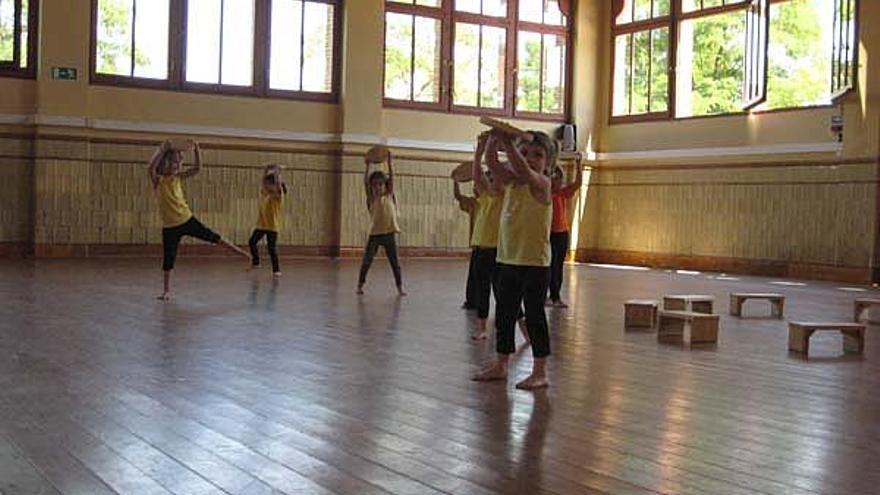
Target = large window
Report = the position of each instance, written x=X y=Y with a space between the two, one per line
x=687 y=58
x=18 y=37
x=282 y=48
x=503 y=57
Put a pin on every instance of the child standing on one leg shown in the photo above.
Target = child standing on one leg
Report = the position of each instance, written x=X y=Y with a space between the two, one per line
x=382 y=205
x=485 y=237
x=523 y=250
x=559 y=237
x=270 y=218
x=166 y=175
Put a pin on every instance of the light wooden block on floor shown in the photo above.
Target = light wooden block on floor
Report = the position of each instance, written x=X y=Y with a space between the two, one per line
x=737 y=299
x=862 y=304
x=689 y=302
x=640 y=313
x=688 y=327
x=799 y=333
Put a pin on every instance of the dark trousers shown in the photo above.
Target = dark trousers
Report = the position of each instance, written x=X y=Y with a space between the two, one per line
x=484 y=279
x=390 y=244
x=271 y=241
x=517 y=285
x=469 y=288
x=171 y=237
x=559 y=248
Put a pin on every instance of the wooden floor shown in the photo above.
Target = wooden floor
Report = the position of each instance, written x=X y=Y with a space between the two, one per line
x=246 y=386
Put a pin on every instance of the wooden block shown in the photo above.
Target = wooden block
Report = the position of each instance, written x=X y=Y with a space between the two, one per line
x=737 y=299
x=688 y=326
x=377 y=154
x=463 y=172
x=689 y=302
x=640 y=313
x=862 y=304
x=506 y=128
x=799 y=333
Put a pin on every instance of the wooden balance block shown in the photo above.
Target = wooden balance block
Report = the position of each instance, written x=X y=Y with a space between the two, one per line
x=688 y=327
x=862 y=304
x=799 y=333
x=737 y=299
x=640 y=313
x=689 y=302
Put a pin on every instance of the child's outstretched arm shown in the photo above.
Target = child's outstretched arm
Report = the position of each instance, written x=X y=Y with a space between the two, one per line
x=539 y=184
x=465 y=203
x=367 y=187
x=389 y=186
x=153 y=166
x=575 y=186
x=197 y=166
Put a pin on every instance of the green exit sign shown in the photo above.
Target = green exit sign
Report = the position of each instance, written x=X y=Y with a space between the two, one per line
x=64 y=73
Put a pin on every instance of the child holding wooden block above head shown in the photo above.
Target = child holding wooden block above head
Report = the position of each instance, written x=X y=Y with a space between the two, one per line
x=270 y=218
x=166 y=175
x=559 y=236
x=382 y=206
x=523 y=248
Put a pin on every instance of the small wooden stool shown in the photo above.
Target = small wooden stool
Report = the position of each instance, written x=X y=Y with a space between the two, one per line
x=688 y=326
x=689 y=302
x=640 y=313
x=799 y=333
x=737 y=299
x=861 y=305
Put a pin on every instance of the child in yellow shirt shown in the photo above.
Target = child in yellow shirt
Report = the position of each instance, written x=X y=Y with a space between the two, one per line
x=270 y=219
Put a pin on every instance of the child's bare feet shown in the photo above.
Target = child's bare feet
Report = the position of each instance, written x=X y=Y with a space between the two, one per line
x=400 y=291
x=276 y=274
x=496 y=371
x=524 y=330
x=533 y=381
x=166 y=296
x=560 y=304
x=480 y=335
x=360 y=289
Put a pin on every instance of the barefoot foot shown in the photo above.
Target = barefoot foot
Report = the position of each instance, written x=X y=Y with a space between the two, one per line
x=496 y=371
x=360 y=290
x=166 y=296
x=480 y=335
x=524 y=330
x=276 y=274
x=533 y=382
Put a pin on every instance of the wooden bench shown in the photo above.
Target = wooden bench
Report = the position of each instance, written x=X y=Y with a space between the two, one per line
x=799 y=333
x=640 y=313
x=737 y=299
x=689 y=302
x=688 y=327
x=860 y=305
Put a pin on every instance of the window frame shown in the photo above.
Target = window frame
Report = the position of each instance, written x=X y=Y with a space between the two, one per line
x=672 y=21
x=448 y=16
x=14 y=69
x=259 y=88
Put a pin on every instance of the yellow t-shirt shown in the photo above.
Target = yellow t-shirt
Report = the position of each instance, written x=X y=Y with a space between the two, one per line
x=270 y=217
x=383 y=213
x=524 y=234
x=172 y=204
x=486 y=220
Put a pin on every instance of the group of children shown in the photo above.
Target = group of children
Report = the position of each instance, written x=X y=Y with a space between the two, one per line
x=519 y=233
x=167 y=172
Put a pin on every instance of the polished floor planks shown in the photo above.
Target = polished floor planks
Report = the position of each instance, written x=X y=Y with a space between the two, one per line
x=245 y=385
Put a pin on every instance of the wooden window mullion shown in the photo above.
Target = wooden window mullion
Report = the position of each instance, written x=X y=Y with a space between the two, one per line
x=133 y=35
x=302 y=43
x=541 y=77
x=220 y=48
x=412 y=60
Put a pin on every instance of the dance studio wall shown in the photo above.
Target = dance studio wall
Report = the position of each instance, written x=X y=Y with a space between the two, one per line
x=764 y=193
x=72 y=153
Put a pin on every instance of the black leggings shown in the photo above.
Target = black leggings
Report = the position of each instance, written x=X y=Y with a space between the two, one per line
x=271 y=241
x=171 y=237
x=469 y=300
x=517 y=285
x=559 y=248
x=484 y=279
x=390 y=244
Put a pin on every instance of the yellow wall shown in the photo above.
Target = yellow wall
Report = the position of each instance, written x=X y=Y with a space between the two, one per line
x=801 y=214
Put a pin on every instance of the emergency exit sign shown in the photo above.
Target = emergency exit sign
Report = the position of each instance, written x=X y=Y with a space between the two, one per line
x=64 y=73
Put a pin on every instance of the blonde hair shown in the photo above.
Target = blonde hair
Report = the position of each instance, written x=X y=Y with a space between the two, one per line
x=550 y=147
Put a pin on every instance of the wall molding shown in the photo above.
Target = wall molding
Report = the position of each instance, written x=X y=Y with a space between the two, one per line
x=770 y=149
x=748 y=266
